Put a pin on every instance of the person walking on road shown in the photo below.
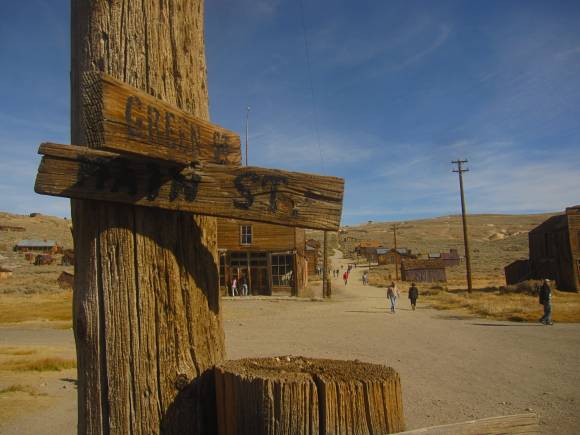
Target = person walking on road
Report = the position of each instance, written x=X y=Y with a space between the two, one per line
x=546 y=301
x=365 y=278
x=345 y=277
x=413 y=295
x=392 y=295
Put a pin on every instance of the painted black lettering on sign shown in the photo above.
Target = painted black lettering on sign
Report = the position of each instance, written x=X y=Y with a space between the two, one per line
x=154 y=182
x=244 y=190
x=93 y=168
x=123 y=176
x=119 y=174
x=181 y=183
x=274 y=181
x=153 y=116
x=103 y=170
x=134 y=127
x=221 y=147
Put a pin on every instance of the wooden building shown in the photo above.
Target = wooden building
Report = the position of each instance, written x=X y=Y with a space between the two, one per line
x=391 y=256
x=68 y=258
x=518 y=271
x=555 y=249
x=5 y=273
x=48 y=246
x=271 y=258
x=66 y=280
x=368 y=249
x=423 y=271
x=451 y=258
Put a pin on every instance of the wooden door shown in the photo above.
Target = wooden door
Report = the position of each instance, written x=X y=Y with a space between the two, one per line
x=260 y=280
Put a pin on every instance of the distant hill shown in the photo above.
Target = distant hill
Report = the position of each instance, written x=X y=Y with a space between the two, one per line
x=495 y=240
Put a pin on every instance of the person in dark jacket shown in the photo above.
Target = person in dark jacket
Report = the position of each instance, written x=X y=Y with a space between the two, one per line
x=546 y=301
x=413 y=295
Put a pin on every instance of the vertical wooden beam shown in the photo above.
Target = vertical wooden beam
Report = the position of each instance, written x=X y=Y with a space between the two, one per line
x=270 y=281
x=146 y=315
x=249 y=272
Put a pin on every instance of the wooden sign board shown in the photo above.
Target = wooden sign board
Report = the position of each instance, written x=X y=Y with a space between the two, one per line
x=249 y=193
x=121 y=118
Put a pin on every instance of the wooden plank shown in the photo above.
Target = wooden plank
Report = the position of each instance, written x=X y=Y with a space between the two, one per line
x=249 y=193
x=509 y=424
x=124 y=119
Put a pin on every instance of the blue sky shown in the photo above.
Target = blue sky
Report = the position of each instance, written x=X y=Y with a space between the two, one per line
x=393 y=92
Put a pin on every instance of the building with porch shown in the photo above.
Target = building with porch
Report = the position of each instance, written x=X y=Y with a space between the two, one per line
x=269 y=258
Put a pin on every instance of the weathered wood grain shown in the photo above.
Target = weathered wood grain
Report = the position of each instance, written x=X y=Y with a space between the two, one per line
x=249 y=193
x=122 y=118
x=296 y=395
x=147 y=319
x=520 y=424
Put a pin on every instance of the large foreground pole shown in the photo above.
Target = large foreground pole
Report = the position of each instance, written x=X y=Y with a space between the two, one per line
x=146 y=305
x=460 y=170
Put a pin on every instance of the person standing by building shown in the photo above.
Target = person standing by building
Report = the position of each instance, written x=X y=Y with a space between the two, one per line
x=546 y=301
x=413 y=295
x=234 y=286
x=244 y=285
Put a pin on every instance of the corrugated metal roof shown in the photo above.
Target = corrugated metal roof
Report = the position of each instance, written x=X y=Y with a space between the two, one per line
x=36 y=243
x=381 y=251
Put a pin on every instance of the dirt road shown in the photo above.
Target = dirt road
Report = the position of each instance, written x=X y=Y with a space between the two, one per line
x=452 y=368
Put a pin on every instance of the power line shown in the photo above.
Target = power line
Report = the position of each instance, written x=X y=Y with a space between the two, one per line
x=308 y=63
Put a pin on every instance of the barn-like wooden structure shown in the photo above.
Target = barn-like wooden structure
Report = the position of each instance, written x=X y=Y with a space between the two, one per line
x=393 y=256
x=48 y=246
x=270 y=258
x=423 y=271
x=555 y=249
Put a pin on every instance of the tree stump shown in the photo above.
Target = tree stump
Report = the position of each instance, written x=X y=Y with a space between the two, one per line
x=296 y=395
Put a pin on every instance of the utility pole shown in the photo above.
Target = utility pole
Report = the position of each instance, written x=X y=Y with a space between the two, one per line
x=247 y=120
x=394 y=228
x=325 y=284
x=460 y=170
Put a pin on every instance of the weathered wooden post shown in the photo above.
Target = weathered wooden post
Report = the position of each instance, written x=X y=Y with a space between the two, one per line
x=146 y=305
x=295 y=395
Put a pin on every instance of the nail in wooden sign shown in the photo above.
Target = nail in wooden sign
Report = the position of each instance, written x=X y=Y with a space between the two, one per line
x=121 y=118
x=248 y=193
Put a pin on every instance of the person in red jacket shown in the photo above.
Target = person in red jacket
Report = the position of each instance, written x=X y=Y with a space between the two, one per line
x=345 y=277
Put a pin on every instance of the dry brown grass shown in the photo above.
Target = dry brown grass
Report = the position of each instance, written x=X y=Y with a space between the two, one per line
x=19 y=388
x=50 y=364
x=499 y=305
x=46 y=307
x=17 y=351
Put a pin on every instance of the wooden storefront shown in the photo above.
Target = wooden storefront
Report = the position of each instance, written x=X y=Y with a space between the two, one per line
x=270 y=258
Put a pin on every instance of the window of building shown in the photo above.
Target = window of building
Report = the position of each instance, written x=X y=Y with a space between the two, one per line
x=246 y=234
x=282 y=270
